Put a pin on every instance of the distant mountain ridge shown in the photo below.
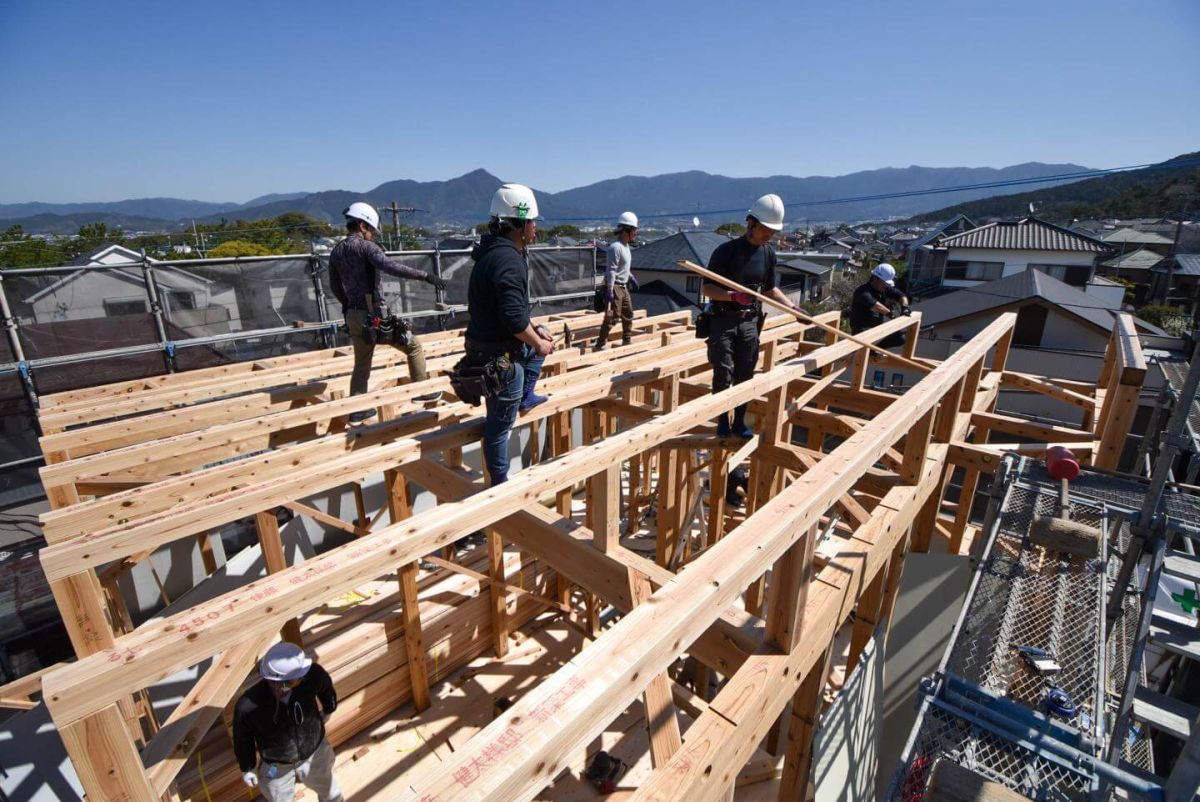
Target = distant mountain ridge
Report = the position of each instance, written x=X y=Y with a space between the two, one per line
x=465 y=199
x=1148 y=192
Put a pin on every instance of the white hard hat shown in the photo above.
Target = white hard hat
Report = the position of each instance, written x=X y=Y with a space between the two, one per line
x=364 y=212
x=768 y=210
x=284 y=661
x=514 y=202
x=627 y=219
x=885 y=273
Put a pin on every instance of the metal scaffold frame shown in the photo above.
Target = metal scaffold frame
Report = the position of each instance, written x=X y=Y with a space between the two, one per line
x=137 y=466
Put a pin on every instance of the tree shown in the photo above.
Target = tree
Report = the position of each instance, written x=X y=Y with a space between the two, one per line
x=731 y=229
x=565 y=230
x=239 y=247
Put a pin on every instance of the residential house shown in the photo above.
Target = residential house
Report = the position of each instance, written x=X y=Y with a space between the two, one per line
x=1002 y=249
x=659 y=260
x=1177 y=283
x=813 y=279
x=1060 y=329
x=926 y=261
x=900 y=242
x=1136 y=266
x=1124 y=240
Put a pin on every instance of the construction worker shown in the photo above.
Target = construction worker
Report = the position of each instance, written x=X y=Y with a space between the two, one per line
x=500 y=333
x=355 y=265
x=736 y=316
x=279 y=727
x=868 y=308
x=618 y=275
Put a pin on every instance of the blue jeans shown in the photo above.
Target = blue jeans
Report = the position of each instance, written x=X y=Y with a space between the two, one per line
x=502 y=413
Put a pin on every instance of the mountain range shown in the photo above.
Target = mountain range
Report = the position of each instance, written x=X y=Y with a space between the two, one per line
x=464 y=200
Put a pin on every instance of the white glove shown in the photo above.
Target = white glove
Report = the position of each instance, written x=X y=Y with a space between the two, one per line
x=250 y=778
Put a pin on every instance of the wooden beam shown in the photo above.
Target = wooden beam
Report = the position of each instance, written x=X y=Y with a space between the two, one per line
x=583 y=696
x=605 y=495
x=105 y=758
x=173 y=644
x=271 y=544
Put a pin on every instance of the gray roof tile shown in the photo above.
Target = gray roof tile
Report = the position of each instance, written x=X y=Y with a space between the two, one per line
x=1027 y=234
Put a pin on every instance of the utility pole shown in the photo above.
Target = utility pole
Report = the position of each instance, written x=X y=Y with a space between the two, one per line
x=196 y=237
x=397 y=245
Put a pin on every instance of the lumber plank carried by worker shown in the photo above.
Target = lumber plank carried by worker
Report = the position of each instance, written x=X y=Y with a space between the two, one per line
x=733 y=285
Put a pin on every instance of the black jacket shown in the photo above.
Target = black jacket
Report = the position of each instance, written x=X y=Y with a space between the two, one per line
x=282 y=732
x=498 y=294
x=354 y=267
x=863 y=315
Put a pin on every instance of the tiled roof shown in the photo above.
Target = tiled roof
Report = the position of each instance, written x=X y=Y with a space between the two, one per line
x=1141 y=259
x=1021 y=286
x=1029 y=234
x=941 y=229
x=1134 y=237
x=1186 y=264
x=663 y=254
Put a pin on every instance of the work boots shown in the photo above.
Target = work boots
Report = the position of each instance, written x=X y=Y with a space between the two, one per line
x=740 y=429
x=531 y=399
x=723 y=429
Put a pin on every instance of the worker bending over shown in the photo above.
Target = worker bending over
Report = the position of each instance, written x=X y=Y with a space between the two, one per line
x=500 y=335
x=736 y=316
x=279 y=727
x=354 y=267
x=869 y=306
x=618 y=275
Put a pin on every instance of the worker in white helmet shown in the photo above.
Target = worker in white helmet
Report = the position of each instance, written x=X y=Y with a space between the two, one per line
x=355 y=265
x=500 y=337
x=736 y=316
x=870 y=305
x=618 y=278
x=279 y=727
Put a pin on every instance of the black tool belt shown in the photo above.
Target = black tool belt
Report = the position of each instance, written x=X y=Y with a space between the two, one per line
x=728 y=309
x=483 y=371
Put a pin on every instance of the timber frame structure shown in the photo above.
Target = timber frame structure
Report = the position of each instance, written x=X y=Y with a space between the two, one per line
x=136 y=466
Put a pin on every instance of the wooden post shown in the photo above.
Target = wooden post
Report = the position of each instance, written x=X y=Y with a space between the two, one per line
x=273 y=556
x=497 y=592
x=105 y=758
x=605 y=497
x=668 y=486
x=806 y=713
x=414 y=646
x=662 y=722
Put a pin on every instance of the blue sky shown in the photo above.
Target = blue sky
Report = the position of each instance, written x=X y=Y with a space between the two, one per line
x=224 y=101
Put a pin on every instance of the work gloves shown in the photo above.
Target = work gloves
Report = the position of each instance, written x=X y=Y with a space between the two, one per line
x=906 y=311
x=742 y=298
x=250 y=778
x=633 y=282
x=435 y=281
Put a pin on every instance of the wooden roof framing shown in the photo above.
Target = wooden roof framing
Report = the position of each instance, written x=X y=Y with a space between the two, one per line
x=748 y=600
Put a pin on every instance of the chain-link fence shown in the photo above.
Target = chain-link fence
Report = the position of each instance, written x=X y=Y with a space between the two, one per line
x=74 y=326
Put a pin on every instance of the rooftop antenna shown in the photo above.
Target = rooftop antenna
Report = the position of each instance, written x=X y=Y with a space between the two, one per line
x=695 y=222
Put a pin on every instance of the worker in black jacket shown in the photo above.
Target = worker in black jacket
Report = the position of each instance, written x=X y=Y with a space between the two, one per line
x=871 y=305
x=733 y=335
x=355 y=265
x=500 y=331
x=279 y=727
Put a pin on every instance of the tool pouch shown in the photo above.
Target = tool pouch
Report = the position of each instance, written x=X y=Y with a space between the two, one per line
x=393 y=330
x=474 y=378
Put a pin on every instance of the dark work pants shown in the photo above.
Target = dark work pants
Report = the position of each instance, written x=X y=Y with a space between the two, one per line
x=732 y=350
x=356 y=322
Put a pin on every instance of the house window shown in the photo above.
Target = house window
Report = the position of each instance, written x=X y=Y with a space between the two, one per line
x=180 y=299
x=974 y=271
x=1075 y=275
x=878 y=378
x=693 y=284
x=897 y=381
x=124 y=306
